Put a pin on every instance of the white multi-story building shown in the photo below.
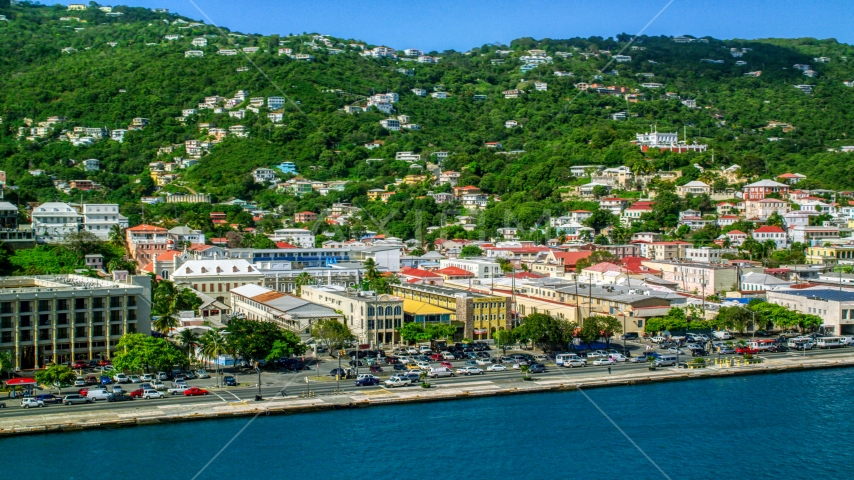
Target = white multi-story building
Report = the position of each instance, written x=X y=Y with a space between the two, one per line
x=480 y=267
x=54 y=221
x=298 y=237
x=99 y=219
x=275 y=103
x=264 y=175
x=263 y=304
x=217 y=277
x=371 y=318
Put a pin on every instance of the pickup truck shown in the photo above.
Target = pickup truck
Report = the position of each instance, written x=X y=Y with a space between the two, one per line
x=398 y=382
x=178 y=390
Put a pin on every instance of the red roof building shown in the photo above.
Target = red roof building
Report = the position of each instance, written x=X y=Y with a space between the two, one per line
x=419 y=276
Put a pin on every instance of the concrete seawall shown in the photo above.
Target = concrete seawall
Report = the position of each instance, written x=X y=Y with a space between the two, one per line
x=153 y=414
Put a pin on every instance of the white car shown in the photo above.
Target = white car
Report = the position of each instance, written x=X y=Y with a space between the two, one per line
x=31 y=402
x=483 y=361
x=619 y=357
x=121 y=378
x=149 y=394
x=80 y=382
x=202 y=374
x=496 y=367
x=448 y=356
x=135 y=379
x=658 y=339
x=412 y=351
x=574 y=362
x=469 y=371
x=425 y=351
x=367 y=375
x=604 y=361
x=398 y=382
x=158 y=385
x=423 y=365
x=146 y=378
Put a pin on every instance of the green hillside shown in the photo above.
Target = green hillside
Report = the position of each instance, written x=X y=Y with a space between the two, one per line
x=144 y=75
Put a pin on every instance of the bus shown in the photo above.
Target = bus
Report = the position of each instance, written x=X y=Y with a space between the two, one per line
x=830 y=342
x=763 y=345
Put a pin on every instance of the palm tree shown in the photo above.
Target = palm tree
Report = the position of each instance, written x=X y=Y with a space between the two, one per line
x=188 y=339
x=642 y=167
x=165 y=323
x=213 y=345
x=302 y=279
x=371 y=272
x=117 y=236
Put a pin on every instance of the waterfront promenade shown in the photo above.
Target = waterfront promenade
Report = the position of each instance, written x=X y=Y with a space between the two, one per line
x=321 y=395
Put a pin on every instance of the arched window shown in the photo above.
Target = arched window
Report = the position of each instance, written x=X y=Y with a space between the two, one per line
x=388 y=310
x=370 y=311
x=397 y=310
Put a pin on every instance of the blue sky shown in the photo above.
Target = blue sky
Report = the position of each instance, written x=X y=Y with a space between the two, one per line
x=462 y=24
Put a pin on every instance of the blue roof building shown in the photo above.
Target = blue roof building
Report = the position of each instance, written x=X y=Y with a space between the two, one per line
x=287 y=167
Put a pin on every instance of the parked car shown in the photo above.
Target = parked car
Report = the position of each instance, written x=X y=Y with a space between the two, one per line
x=483 y=361
x=105 y=380
x=745 y=350
x=618 y=357
x=496 y=367
x=202 y=374
x=31 y=402
x=193 y=391
x=604 y=361
x=448 y=356
x=158 y=385
x=574 y=361
x=643 y=357
x=398 y=382
x=536 y=368
x=676 y=350
x=469 y=370
x=725 y=350
x=120 y=398
x=121 y=378
x=149 y=394
x=367 y=381
x=399 y=367
x=136 y=393
x=118 y=389
x=332 y=373
x=698 y=352
x=423 y=365
x=49 y=398
x=229 y=381
x=446 y=364
x=76 y=399
x=146 y=377
x=440 y=372
x=629 y=336
x=80 y=382
x=658 y=339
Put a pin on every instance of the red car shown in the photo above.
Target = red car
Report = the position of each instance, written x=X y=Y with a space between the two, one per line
x=192 y=391
x=446 y=364
x=104 y=363
x=80 y=364
x=136 y=393
x=436 y=357
x=83 y=391
x=745 y=350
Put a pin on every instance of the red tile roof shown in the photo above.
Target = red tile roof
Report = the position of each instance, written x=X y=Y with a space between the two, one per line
x=168 y=255
x=284 y=245
x=147 y=228
x=418 y=273
x=736 y=232
x=769 y=229
x=454 y=272
x=523 y=275
x=569 y=259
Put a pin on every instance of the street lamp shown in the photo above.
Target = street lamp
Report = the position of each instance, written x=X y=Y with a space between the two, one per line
x=258 y=369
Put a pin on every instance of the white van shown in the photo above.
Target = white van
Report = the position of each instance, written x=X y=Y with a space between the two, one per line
x=98 y=394
x=438 y=372
x=847 y=340
x=829 y=342
x=569 y=360
x=723 y=335
x=665 y=360
x=798 y=341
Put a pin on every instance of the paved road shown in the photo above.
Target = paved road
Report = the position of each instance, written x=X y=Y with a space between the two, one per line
x=272 y=383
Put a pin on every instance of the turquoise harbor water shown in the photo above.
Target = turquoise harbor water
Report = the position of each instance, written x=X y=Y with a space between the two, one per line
x=789 y=425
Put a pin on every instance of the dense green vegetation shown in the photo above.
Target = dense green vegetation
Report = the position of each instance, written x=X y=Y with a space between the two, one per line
x=144 y=75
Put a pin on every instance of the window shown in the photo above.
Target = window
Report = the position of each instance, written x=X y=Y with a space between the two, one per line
x=370 y=311
x=44 y=334
x=116 y=316
x=97 y=317
x=6 y=307
x=397 y=310
x=24 y=321
x=44 y=319
x=115 y=329
x=388 y=310
x=131 y=301
x=98 y=331
x=115 y=302
x=25 y=306
x=44 y=305
x=6 y=337
x=62 y=304
x=61 y=333
x=6 y=322
x=79 y=331
x=370 y=324
x=131 y=315
x=26 y=335
x=79 y=303
x=131 y=328
x=80 y=317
